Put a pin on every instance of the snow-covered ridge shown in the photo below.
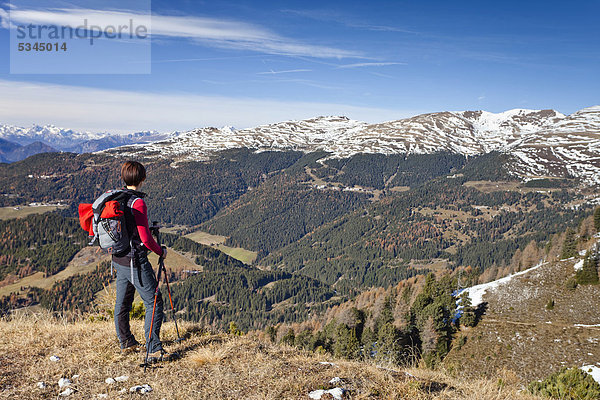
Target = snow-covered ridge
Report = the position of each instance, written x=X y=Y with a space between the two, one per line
x=544 y=142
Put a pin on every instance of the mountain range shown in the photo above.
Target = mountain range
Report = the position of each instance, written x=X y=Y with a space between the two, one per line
x=49 y=138
x=544 y=143
x=10 y=151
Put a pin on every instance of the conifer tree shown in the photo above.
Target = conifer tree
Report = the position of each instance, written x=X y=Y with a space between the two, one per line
x=389 y=343
x=289 y=338
x=346 y=344
x=588 y=274
x=569 y=245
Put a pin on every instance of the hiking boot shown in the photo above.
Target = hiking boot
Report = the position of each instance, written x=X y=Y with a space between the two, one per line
x=134 y=348
x=162 y=356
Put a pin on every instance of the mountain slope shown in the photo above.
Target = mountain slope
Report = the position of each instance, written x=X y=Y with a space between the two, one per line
x=535 y=323
x=544 y=142
x=6 y=148
x=443 y=220
x=29 y=150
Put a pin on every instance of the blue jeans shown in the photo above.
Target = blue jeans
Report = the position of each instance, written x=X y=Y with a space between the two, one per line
x=144 y=281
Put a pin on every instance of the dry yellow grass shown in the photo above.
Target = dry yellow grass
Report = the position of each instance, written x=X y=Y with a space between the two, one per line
x=212 y=366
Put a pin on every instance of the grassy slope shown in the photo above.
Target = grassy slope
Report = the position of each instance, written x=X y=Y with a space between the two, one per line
x=23 y=211
x=86 y=261
x=212 y=367
x=216 y=241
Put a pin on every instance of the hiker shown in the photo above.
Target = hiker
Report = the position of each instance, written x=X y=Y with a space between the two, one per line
x=134 y=271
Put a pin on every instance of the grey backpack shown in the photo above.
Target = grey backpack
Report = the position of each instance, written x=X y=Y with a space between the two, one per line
x=112 y=222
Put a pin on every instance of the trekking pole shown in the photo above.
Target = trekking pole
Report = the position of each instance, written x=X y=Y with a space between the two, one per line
x=161 y=265
x=179 y=339
x=156 y=291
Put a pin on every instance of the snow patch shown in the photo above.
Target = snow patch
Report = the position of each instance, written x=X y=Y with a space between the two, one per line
x=112 y=381
x=64 y=382
x=328 y=363
x=476 y=292
x=592 y=370
x=578 y=265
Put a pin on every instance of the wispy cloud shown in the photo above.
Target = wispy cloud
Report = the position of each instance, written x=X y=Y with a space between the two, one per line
x=92 y=109
x=289 y=71
x=337 y=17
x=370 y=64
x=4 y=21
x=214 y=32
x=177 y=60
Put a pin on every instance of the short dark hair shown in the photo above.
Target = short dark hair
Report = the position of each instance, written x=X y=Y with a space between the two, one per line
x=133 y=173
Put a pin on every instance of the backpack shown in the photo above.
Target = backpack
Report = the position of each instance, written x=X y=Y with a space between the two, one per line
x=109 y=221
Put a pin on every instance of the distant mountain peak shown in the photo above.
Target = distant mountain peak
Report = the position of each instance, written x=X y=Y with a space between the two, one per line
x=61 y=139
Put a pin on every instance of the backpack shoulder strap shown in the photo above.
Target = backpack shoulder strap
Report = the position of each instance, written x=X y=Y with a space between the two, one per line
x=129 y=217
x=132 y=200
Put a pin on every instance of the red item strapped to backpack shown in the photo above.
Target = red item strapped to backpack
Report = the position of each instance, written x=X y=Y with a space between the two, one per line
x=112 y=209
x=86 y=215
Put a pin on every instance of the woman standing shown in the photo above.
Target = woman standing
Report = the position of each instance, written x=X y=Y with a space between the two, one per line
x=134 y=271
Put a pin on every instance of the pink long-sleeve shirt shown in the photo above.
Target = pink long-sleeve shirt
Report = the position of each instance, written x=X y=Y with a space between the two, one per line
x=140 y=213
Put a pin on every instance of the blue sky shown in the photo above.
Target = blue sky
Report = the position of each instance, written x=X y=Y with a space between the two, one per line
x=246 y=63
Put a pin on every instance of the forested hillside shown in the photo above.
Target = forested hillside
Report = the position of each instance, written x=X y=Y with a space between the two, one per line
x=222 y=287
x=184 y=193
x=325 y=229
x=536 y=322
x=383 y=171
x=281 y=211
x=219 y=291
x=441 y=219
x=42 y=243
